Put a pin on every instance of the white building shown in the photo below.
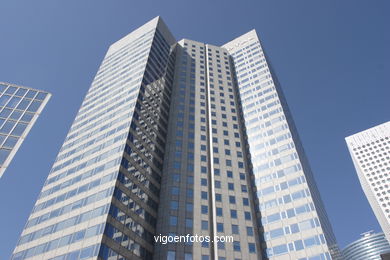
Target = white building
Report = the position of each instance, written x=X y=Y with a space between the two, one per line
x=293 y=216
x=370 y=152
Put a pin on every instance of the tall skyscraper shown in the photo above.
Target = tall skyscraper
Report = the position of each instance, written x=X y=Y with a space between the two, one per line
x=175 y=139
x=369 y=247
x=370 y=152
x=292 y=213
x=19 y=109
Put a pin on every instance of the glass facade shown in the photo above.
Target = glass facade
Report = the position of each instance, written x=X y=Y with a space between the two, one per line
x=207 y=183
x=19 y=109
x=369 y=247
x=167 y=141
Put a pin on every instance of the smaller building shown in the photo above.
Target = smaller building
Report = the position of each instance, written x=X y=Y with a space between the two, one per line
x=19 y=109
x=369 y=247
x=370 y=152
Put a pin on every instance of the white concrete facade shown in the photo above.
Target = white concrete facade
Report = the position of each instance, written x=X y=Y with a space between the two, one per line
x=370 y=152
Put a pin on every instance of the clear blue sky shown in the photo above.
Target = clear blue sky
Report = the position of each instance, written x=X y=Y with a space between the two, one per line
x=332 y=59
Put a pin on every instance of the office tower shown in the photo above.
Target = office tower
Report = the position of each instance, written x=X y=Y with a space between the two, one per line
x=293 y=217
x=19 y=109
x=370 y=152
x=369 y=247
x=160 y=146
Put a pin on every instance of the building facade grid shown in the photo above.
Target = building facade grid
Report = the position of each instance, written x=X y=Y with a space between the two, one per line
x=19 y=109
x=370 y=152
x=176 y=138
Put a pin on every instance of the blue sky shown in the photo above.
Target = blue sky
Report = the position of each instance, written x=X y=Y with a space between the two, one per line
x=331 y=58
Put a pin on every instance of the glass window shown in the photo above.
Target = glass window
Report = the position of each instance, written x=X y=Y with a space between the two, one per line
x=287 y=198
x=21 y=92
x=11 y=141
x=189 y=222
x=176 y=177
x=249 y=231
x=228 y=162
x=281 y=249
x=273 y=217
x=41 y=96
x=298 y=245
x=64 y=241
x=276 y=233
x=4 y=99
x=220 y=227
x=3 y=155
x=13 y=102
x=16 y=115
x=31 y=93
x=10 y=90
x=19 y=129
x=311 y=241
x=229 y=174
x=175 y=191
x=171 y=255
x=236 y=246
x=235 y=229
x=78 y=236
x=7 y=127
x=290 y=213
x=87 y=252
x=174 y=205
x=172 y=220
x=205 y=225
x=23 y=104
x=190 y=193
x=2 y=87
x=189 y=207
x=294 y=228
x=2 y=138
x=252 y=248
x=5 y=113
